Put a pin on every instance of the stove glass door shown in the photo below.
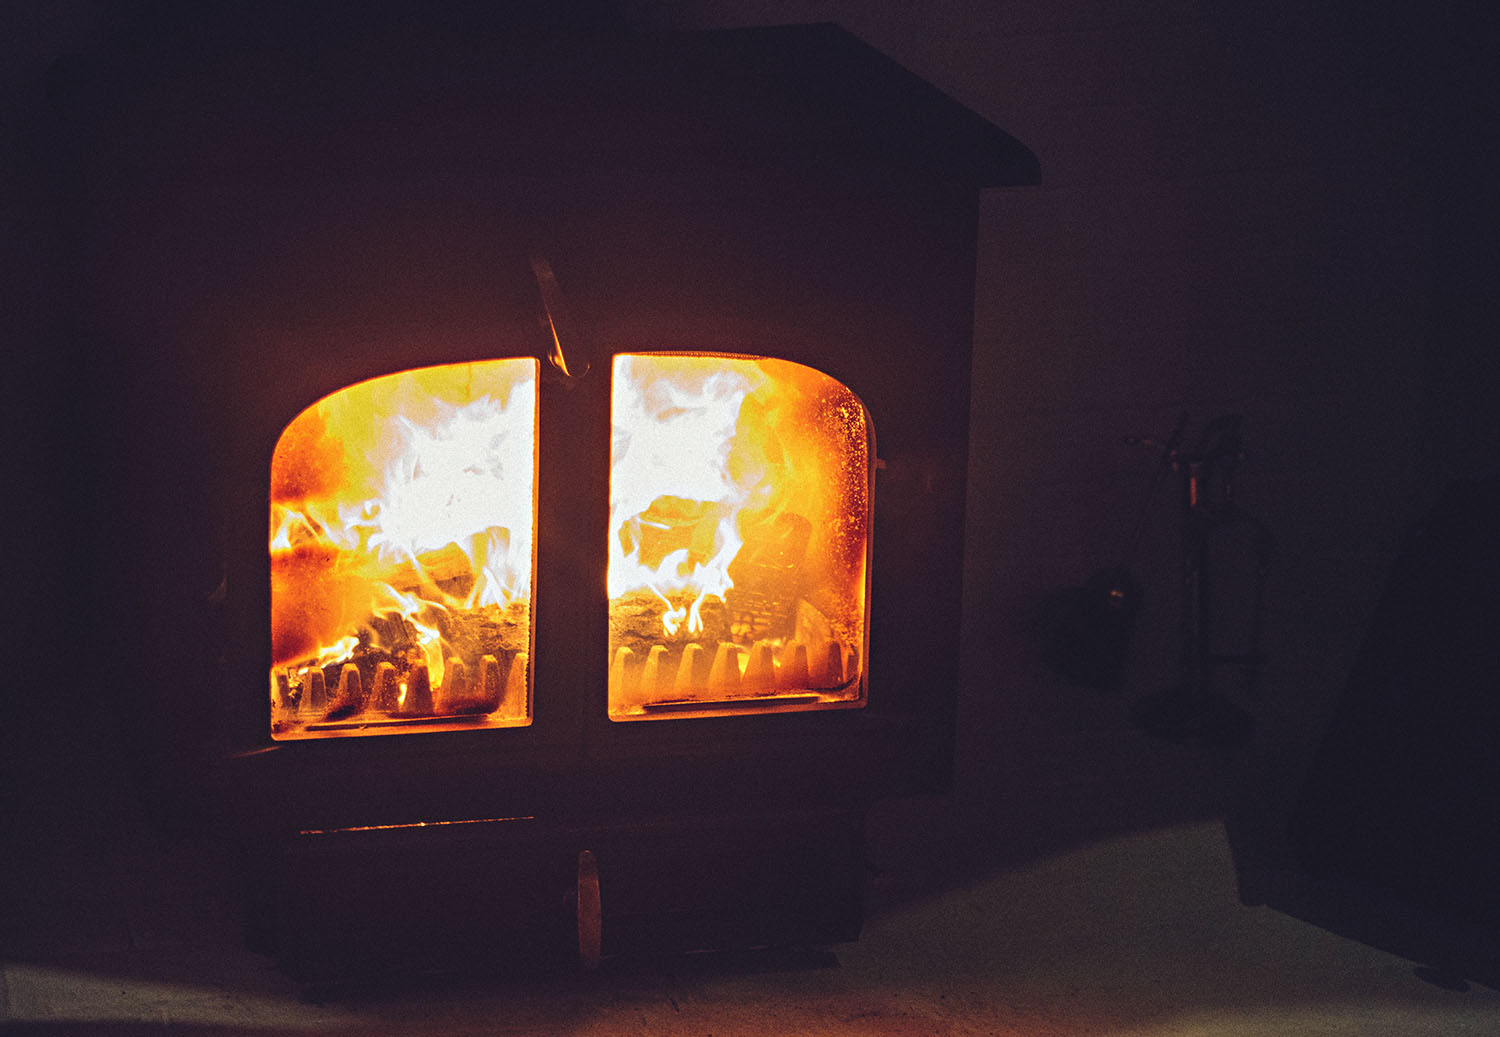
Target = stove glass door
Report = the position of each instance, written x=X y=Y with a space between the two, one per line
x=403 y=515
x=739 y=537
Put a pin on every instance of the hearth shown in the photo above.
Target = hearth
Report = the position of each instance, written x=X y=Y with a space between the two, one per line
x=610 y=397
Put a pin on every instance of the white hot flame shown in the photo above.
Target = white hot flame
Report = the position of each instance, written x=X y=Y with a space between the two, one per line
x=672 y=439
x=425 y=506
x=463 y=480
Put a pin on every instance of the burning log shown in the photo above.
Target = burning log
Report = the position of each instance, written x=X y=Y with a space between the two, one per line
x=448 y=569
x=768 y=578
x=635 y=621
x=390 y=652
x=498 y=630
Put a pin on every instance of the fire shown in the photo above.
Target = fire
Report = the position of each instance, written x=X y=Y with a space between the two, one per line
x=671 y=469
x=402 y=517
x=739 y=511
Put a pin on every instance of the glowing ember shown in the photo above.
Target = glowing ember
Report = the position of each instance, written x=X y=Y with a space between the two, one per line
x=402 y=512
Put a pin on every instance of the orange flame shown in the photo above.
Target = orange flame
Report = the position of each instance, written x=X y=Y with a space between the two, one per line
x=739 y=516
x=398 y=504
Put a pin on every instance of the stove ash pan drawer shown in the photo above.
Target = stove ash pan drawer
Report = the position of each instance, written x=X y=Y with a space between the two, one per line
x=529 y=896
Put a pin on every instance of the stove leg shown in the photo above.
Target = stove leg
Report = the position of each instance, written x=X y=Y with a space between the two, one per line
x=590 y=927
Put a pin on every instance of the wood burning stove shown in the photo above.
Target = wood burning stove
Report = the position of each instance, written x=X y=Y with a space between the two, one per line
x=610 y=397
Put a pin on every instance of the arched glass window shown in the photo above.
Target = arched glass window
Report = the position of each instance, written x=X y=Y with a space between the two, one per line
x=403 y=514
x=739 y=537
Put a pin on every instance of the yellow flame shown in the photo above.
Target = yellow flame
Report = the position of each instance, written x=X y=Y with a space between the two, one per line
x=674 y=420
x=743 y=482
x=406 y=497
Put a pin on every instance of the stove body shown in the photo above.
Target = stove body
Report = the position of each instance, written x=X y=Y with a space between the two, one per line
x=780 y=194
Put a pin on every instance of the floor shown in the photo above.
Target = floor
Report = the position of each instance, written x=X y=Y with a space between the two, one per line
x=124 y=930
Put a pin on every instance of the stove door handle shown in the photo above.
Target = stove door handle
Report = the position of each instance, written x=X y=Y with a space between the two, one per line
x=574 y=361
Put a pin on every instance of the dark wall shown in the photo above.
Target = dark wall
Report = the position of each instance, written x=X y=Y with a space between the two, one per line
x=1278 y=210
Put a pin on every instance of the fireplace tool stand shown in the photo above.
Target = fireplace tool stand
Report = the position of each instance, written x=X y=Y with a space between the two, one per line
x=1192 y=709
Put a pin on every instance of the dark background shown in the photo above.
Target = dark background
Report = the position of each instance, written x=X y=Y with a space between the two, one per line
x=1281 y=212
